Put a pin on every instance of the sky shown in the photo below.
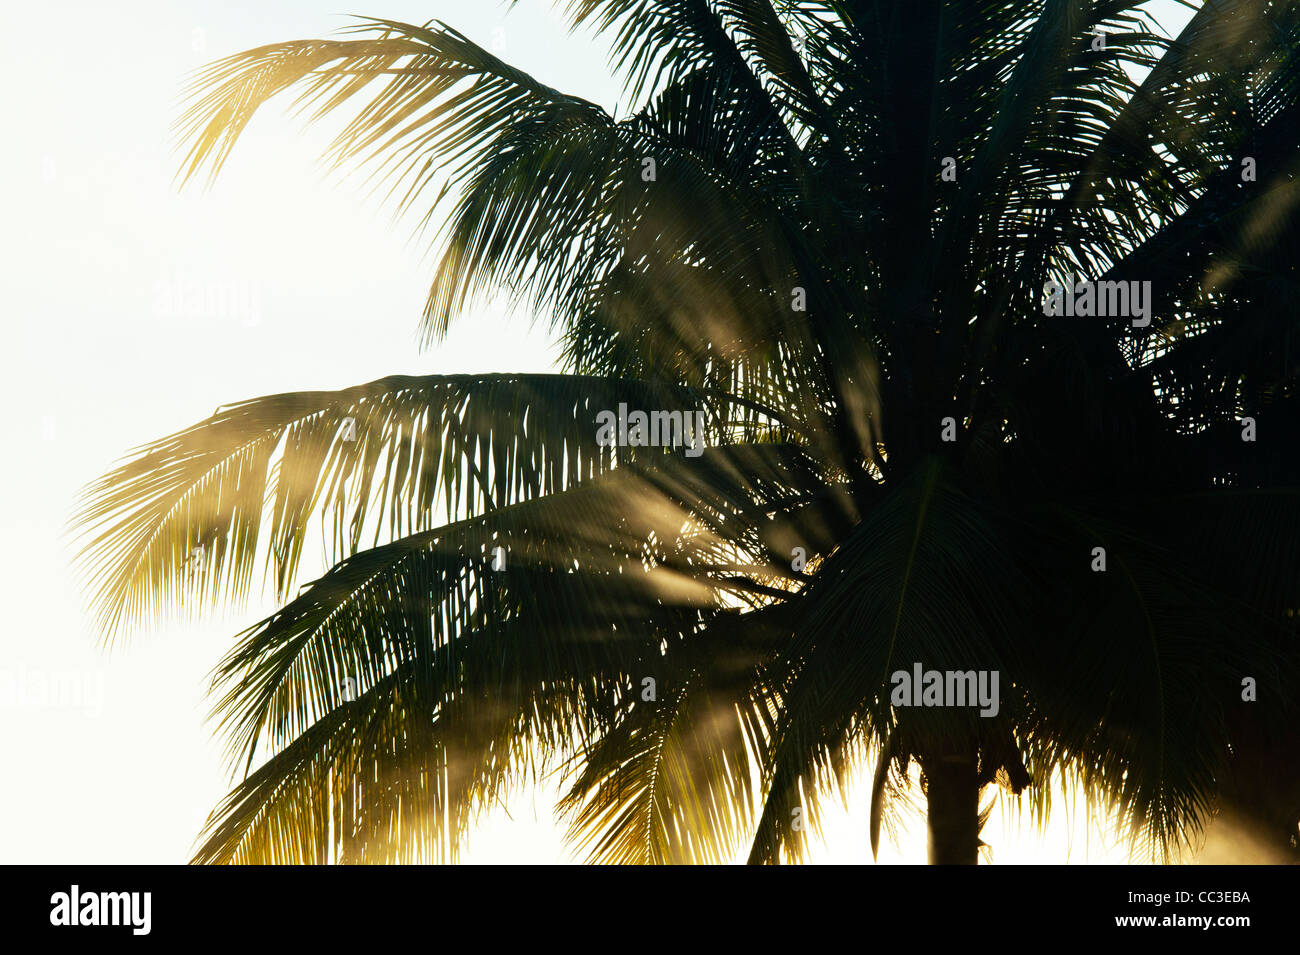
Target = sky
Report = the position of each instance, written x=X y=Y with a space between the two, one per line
x=134 y=309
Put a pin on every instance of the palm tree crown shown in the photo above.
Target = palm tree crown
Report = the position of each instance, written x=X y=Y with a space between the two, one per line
x=824 y=236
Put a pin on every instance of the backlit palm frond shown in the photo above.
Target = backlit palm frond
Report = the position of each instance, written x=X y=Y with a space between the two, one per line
x=435 y=105
x=290 y=811
x=672 y=781
x=638 y=540
x=592 y=582
x=182 y=518
x=436 y=96
x=396 y=774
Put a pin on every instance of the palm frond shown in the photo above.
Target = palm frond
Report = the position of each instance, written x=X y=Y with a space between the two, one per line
x=181 y=519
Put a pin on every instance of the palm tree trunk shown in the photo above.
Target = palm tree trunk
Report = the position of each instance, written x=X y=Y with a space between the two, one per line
x=952 y=795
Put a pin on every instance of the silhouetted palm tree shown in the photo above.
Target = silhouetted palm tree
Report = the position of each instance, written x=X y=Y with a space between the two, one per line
x=827 y=230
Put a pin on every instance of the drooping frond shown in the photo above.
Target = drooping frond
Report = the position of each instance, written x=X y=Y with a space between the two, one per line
x=182 y=518
x=672 y=780
x=590 y=583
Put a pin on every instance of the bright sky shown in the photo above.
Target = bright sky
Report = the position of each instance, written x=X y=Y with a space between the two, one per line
x=308 y=286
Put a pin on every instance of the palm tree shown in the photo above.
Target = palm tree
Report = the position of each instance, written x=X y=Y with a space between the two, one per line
x=826 y=232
